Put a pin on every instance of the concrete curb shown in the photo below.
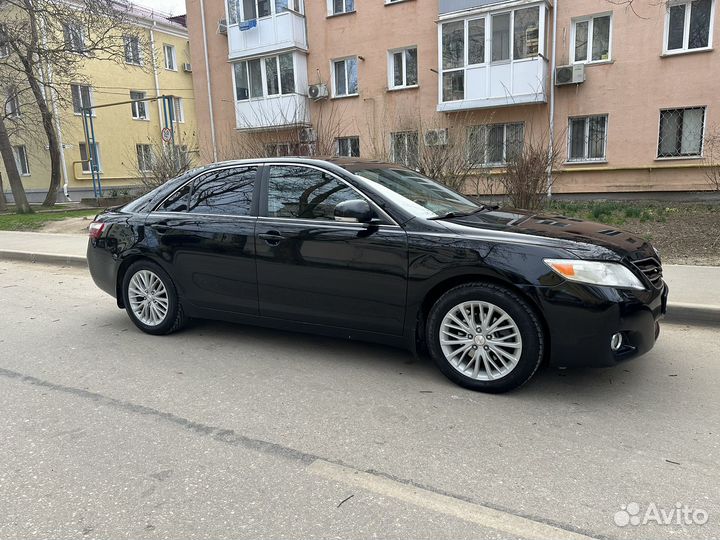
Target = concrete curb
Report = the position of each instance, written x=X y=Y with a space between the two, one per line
x=703 y=314
x=48 y=258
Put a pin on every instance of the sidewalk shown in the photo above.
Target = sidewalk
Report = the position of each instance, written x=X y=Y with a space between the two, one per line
x=694 y=290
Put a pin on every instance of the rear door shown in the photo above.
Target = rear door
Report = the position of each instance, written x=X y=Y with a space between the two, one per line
x=204 y=234
x=314 y=269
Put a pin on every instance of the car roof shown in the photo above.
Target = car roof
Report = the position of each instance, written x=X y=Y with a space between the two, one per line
x=347 y=163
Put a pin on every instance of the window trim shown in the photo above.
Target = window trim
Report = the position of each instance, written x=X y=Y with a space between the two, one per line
x=590 y=19
x=686 y=29
x=586 y=131
x=173 y=56
x=348 y=138
x=25 y=163
x=90 y=97
x=391 y=68
x=264 y=199
x=130 y=39
x=344 y=59
x=701 y=155
x=134 y=106
x=331 y=9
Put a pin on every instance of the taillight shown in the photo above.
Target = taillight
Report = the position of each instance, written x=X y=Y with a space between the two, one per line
x=95 y=229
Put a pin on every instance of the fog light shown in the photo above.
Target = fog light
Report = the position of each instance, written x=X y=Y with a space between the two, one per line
x=616 y=342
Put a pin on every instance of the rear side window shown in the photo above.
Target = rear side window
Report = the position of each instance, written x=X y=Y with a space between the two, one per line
x=177 y=202
x=305 y=193
x=224 y=192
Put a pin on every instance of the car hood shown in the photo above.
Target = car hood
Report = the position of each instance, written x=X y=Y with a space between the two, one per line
x=571 y=233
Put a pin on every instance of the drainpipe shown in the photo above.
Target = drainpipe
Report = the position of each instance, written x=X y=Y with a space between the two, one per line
x=155 y=72
x=50 y=95
x=209 y=86
x=551 y=144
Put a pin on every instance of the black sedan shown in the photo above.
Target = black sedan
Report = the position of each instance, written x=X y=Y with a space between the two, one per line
x=374 y=251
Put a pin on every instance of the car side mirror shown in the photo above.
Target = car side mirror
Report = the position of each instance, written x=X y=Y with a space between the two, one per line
x=354 y=211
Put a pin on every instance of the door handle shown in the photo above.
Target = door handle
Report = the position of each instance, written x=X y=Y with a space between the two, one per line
x=273 y=238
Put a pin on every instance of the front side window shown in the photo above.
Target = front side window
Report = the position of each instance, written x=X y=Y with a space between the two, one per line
x=170 y=59
x=591 y=40
x=86 y=158
x=178 y=201
x=403 y=64
x=81 y=97
x=348 y=146
x=21 y=160
x=587 y=138
x=688 y=25
x=138 y=108
x=495 y=144
x=305 y=193
x=132 y=50
x=225 y=192
x=404 y=148
x=342 y=6
x=345 y=77
x=144 y=157
x=681 y=132
x=74 y=37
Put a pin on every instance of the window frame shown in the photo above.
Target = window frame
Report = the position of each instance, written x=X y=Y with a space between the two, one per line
x=347 y=78
x=68 y=37
x=90 y=97
x=140 y=165
x=172 y=57
x=686 y=29
x=89 y=157
x=177 y=113
x=263 y=77
x=701 y=154
x=393 y=148
x=12 y=104
x=391 y=68
x=331 y=8
x=586 y=143
x=129 y=41
x=348 y=138
x=590 y=19
x=23 y=164
x=486 y=150
x=135 y=106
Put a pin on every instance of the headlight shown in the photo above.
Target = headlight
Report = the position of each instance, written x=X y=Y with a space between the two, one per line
x=595 y=273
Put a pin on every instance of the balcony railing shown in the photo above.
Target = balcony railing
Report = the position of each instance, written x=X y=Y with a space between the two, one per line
x=285 y=30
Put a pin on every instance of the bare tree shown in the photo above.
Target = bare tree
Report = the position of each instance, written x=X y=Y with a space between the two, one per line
x=161 y=162
x=712 y=158
x=49 y=43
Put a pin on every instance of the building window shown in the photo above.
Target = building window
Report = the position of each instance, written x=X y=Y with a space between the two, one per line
x=495 y=144
x=74 y=37
x=177 y=111
x=170 y=59
x=403 y=68
x=139 y=108
x=12 y=104
x=404 y=148
x=260 y=78
x=254 y=9
x=591 y=39
x=348 y=146
x=86 y=158
x=515 y=35
x=21 y=160
x=587 y=138
x=341 y=6
x=288 y=5
x=132 y=50
x=687 y=26
x=81 y=97
x=144 y=157
x=345 y=77
x=681 y=132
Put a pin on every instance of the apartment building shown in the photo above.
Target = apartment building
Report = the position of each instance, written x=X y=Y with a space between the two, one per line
x=629 y=94
x=126 y=135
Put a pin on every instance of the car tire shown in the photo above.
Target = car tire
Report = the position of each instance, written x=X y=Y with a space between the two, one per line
x=489 y=357
x=161 y=313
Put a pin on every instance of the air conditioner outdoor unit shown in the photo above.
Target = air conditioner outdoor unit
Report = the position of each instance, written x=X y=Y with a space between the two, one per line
x=222 y=26
x=436 y=137
x=187 y=67
x=574 y=74
x=318 y=91
x=307 y=135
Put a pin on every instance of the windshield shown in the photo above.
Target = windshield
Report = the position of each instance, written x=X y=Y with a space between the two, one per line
x=416 y=193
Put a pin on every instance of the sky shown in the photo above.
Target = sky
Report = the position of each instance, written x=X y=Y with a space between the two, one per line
x=174 y=7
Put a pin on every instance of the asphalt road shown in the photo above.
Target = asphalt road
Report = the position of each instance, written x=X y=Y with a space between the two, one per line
x=227 y=431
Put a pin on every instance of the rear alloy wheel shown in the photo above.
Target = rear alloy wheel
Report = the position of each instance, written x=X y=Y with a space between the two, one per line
x=485 y=337
x=150 y=299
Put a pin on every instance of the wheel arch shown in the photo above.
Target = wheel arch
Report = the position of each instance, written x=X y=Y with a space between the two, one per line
x=434 y=294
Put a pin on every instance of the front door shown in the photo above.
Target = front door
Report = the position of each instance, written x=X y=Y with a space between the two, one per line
x=205 y=234
x=313 y=269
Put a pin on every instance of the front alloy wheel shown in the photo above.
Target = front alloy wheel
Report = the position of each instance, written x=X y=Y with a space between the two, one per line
x=485 y=337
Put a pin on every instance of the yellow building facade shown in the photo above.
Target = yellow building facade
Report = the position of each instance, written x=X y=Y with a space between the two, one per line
x=126 y=134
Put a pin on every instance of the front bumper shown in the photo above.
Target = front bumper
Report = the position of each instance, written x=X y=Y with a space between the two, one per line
x=582 y=319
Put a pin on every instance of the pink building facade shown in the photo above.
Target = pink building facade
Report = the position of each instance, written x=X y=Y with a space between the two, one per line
x=629 y=95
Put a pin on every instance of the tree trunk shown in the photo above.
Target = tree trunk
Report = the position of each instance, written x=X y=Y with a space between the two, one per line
x=3 y=200
x=8 y=157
